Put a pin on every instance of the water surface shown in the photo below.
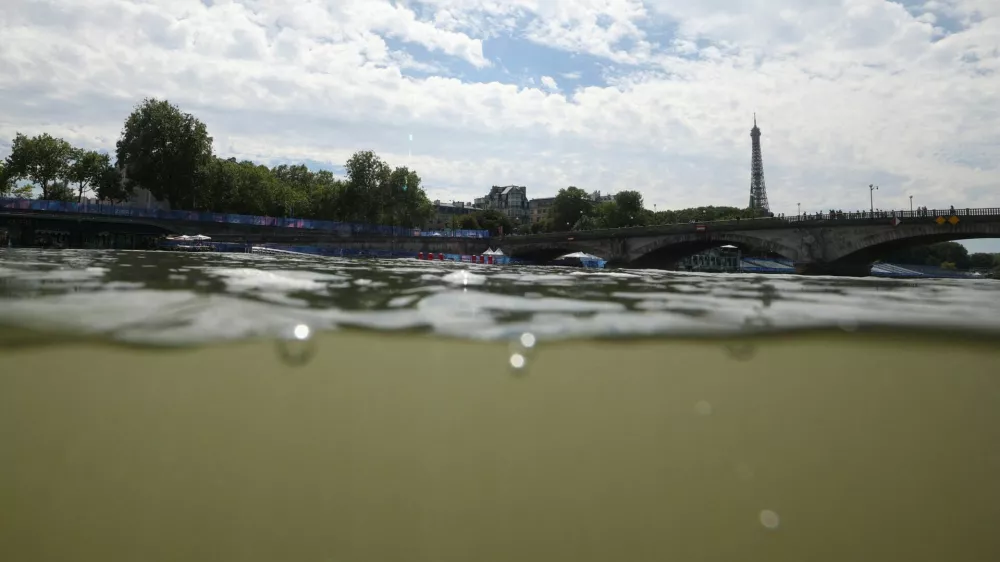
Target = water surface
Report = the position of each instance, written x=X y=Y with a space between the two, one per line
x=417 y=420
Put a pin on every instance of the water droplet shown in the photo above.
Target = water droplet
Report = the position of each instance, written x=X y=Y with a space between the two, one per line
x=703 y=408
x=528 y=340
x=769 y=519
x=297 y=348
x=517 y=361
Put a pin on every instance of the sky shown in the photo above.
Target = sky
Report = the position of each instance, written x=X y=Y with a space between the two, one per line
x=653 y=95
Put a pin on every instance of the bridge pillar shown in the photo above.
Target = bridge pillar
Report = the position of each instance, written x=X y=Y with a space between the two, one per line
x=842 y=269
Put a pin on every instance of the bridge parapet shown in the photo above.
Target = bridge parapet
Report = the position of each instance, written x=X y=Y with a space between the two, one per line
x=807 y=240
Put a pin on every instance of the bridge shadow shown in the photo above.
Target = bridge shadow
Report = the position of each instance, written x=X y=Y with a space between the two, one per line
x=668 y=257
x=868 y=255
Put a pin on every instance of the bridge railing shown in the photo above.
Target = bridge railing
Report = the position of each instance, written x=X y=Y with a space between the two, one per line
x=868 y=215
x=229 y=218
x=764 y=222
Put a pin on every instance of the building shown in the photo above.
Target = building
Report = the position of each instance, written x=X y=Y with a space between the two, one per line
x=538 y=209
x=596 y=197
x=511 y=200
x=445 y=212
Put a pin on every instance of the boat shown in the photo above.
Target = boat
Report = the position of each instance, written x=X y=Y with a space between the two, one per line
x=185 y=243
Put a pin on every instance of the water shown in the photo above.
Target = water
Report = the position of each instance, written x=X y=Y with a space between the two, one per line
x=164 y=406
x=177 y=298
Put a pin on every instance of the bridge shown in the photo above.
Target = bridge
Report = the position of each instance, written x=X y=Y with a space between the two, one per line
x=128 y=228
x=837 y=244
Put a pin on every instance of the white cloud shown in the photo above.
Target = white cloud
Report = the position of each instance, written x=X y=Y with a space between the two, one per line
x=846 y=92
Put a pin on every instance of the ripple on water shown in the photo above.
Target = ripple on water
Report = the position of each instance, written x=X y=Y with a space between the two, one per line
x=184 y=298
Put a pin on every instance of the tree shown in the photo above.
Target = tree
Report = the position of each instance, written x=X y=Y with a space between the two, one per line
x=109 y=185
x=86 y=169
x=5 y=182
x=43 y=158
x=493 y=220
x=22 y=191
x=61 y=191
x=627 y=210
x=163 y=150
x=468 y=222
x=980 y=260
x=569 y=205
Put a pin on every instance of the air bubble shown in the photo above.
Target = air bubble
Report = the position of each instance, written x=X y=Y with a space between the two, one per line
x=769 y=519
x=528 y=340
x=517 y=361
x=298 y=347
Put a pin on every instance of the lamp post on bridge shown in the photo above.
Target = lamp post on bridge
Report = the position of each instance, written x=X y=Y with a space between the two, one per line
x=911 y=204
x=871 y=196
x=800 y=209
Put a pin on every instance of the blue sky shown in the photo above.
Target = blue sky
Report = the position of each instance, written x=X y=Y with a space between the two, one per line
x=653 y=95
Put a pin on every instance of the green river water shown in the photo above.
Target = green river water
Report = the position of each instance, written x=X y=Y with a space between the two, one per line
x=232 y=407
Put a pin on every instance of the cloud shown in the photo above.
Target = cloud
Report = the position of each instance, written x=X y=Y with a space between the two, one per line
x=658 y=94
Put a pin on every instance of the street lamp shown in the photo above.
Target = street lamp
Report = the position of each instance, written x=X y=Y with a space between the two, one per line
x=800 y=209
x=911 y=204
x=871 y=196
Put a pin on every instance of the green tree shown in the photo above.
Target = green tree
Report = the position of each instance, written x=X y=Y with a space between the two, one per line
x=22 y=191
x=109 y=185
x=163 y=149
x=43 y=158
x=569 y=206
x=367 y=180
x=468 y=222
x=61 y=191
x=588 y=222
x=981 y=261
x=5 y=182
x=627 y=210
x=85 y=170
x=492 y=221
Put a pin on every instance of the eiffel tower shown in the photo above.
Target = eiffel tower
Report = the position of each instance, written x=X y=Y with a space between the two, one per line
x=758 y=192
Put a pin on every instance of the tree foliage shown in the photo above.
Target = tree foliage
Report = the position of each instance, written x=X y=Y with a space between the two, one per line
x=570 y=205
x=85 y=170
x=43 y=159
x=169 y=153
x=163 y=149
x=933 y=254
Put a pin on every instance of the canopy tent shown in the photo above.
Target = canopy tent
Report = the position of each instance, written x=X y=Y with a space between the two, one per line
x=578 y=255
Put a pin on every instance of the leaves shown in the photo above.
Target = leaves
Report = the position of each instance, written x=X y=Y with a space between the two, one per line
x=44 y=159
x=169 y=153
x=164 y=150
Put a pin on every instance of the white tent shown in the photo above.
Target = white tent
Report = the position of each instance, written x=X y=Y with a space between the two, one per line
x=498 y=252
x=489 y=252
x=578 y=255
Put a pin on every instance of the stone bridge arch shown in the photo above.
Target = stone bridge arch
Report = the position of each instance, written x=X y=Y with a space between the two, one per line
x=875 y=245
x=679 y=246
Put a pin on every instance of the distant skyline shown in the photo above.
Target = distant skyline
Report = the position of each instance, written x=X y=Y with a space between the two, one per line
x=652 y=95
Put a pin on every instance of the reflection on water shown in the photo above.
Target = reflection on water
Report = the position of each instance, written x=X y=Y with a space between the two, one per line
x=182 y=298
x=355 y=433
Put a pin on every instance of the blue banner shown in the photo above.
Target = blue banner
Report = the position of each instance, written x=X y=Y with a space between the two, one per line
x=306 y=224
